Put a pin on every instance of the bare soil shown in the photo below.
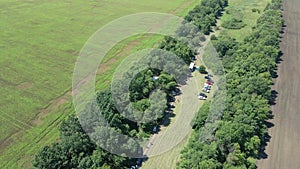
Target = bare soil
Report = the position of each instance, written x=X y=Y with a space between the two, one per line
x=283 y=150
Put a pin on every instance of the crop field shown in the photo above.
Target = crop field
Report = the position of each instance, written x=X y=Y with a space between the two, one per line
x=39 y=45
x=283 y=148
x=243 y=10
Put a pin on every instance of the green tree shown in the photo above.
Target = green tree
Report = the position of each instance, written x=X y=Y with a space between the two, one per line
x=202 y=69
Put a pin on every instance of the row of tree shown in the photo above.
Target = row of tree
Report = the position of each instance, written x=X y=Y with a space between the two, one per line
x=204 y=15
x=101 y=123
x=76 y=150
x=249 y=67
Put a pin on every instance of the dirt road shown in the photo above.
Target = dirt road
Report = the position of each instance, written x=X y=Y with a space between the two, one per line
x=165 y=146
x=283 y=150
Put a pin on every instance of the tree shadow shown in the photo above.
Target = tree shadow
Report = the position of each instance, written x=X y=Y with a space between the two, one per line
x=166 y=121
x=272 y=98
x=278 y=61
x=283 y=29
x=279 y=58
x=265 y=140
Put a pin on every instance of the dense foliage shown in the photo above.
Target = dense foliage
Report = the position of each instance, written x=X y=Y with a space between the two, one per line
x=76 y=150
x=178 y=48
x=204 y=15
x=242 y=130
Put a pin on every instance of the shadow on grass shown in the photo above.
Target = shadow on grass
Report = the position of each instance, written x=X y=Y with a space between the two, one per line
x=167 y=119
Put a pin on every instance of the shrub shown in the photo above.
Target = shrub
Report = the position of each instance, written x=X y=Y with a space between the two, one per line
x=233 y=23
x=202 y=38
x=202 y=69
x=213 y=37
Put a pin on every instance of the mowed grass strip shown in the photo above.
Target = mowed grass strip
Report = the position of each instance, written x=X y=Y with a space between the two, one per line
x=249 y=18
x=39 y=45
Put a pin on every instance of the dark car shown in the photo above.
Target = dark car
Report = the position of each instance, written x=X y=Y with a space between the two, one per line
x=203 y=95
x=210 y=80
x=139 y=162
x=206 y=77
x=171 y=99
x=170 y=106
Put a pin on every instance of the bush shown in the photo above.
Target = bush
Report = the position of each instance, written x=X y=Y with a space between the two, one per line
x=233 y=23
x=255 y=10
x=213 y=37
x=202 y=69
x=202 y=38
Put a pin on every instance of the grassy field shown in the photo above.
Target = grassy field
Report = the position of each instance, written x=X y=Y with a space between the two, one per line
x=243 y=8
x=167 y=160
x=39 y=45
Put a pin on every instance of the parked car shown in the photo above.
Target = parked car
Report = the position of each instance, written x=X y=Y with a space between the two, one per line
x=176 y=92
x=203 y=95
x=134 y=167
x=170 y=106
x=155 y=128
x=206 y=89
x=207 y=85
x=202 y=98
x=206 y=77
x=209 y=82
x=139 y=162
x=192 y=66
x=171 y=99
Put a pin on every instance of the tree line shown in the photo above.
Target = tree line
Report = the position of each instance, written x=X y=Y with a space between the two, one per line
x=205 y=14
x=250 y=67
x=75 y=148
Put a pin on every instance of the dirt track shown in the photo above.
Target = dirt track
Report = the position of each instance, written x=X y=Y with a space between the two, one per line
x=283 y=150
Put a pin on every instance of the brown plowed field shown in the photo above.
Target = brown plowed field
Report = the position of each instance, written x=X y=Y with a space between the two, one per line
x=283 y=150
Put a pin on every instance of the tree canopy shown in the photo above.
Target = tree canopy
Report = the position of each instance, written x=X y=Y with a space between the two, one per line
x=249 y=66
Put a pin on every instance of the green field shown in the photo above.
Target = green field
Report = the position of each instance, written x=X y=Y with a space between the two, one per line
x=245 y=11
x=39 y=45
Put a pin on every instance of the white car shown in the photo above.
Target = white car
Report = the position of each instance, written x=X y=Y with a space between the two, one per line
x=204 y=89
x=202 y=98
